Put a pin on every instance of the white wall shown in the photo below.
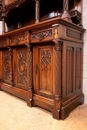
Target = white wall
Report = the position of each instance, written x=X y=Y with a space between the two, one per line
x=0 y=27
x=84 y=22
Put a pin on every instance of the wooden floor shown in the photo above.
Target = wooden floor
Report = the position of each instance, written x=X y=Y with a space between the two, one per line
x=16 y=115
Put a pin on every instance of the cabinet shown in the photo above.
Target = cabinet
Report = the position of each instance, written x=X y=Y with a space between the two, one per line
x=41 y=59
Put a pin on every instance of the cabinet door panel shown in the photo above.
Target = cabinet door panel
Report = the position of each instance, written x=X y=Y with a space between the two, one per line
x=43 y=71
x=6 y=66
x=20 y=68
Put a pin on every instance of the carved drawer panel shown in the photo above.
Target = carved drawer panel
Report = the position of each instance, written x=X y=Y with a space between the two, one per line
x=43 y=35
x=17 y=40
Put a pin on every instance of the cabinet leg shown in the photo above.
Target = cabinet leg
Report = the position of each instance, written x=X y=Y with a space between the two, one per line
x=57 y=112
x=30 y=98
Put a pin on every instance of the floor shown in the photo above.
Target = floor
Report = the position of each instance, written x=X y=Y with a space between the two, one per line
x=16 y=115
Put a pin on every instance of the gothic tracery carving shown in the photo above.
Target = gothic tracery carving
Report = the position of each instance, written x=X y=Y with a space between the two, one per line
x=22 y=67
x=41 y=35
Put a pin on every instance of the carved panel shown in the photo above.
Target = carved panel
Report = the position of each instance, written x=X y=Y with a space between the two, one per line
x=41 y=35
x=3 y=43
x=17 y=40
x=73 y=34
x=22 y=67
x=69 y=69
x=6 y=66
x=78 y=68
x=46 y=69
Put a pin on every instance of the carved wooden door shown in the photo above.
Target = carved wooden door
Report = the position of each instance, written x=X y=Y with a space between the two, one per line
x=20 y=68
x=7 y=66
x=43 y=70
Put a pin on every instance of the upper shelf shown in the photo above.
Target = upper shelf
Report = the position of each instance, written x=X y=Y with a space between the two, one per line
x=19 y=13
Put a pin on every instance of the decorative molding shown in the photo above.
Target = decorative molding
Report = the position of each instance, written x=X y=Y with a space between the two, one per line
x=73 y=34
x=41 y=35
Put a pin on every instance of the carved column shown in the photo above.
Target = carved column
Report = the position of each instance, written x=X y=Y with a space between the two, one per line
x=65 y=14
x=58 y=59
x=37 y=11
x=11 y=64
x=29 y=72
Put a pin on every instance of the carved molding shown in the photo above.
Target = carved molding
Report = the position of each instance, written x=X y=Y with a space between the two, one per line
x=41 y=35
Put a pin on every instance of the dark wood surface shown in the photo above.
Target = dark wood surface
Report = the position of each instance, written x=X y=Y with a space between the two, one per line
x=42 y=64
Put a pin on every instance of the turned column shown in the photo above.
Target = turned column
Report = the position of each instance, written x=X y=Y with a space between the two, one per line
x=29 y=71
x=37 y=11
x=11 y=65
x=65 y=14
x=58 y=71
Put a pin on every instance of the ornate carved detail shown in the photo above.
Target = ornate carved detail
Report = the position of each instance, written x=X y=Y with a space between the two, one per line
x=55 y=31
x=73 y=34
x=17 y=40
x=22 y=67
x=6 y=65
x=27 y=37
x=46 y=60
x=41 y=35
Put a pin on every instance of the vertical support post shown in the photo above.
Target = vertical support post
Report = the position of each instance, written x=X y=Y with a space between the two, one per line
x=3 y=18
x=65 y=14
x=58 y=71
x=29 y=72
x=11 y=62
x=37 y=11
x=3 y=25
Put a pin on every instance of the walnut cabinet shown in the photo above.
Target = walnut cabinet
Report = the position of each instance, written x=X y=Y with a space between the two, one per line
x=42 y=64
